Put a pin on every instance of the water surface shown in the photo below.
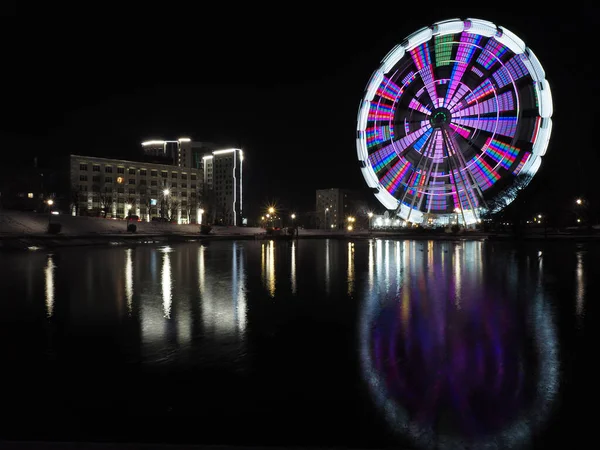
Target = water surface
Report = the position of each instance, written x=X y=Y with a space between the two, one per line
x=366 y=343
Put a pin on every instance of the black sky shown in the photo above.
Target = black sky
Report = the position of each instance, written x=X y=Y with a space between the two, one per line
x=284 y=83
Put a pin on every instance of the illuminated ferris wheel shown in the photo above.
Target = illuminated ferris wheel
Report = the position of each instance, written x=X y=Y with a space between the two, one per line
x=450 y=119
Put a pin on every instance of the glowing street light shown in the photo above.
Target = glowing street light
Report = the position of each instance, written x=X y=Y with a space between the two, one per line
x=579 y=201
x=271 y=210
x=293 y=216
x=50 y=202
x=166 y=192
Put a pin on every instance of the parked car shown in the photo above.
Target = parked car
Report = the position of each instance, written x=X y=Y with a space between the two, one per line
x=134 y=218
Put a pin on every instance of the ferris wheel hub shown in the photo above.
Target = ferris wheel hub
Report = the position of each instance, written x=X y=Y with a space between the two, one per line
x=440 y=117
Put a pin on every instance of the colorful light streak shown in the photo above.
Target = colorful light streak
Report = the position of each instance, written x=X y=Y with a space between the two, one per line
x=483 y=173
x=378 y=135
x=501 y=152
x=420 y=56
x=388 y=89
x=395 y=175
x=443 y=50
x=492 y=52
x=380 y=111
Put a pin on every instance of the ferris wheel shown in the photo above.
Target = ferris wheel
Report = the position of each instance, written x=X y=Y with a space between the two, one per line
x=453 y=116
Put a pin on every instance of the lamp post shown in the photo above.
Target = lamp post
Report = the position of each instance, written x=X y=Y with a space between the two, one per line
x=370 y=214
x=127 y=214
x=50 y=202
x=326 y=211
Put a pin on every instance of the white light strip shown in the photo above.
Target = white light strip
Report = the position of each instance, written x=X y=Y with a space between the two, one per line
x=153 y=143
x=392 y=58
x=184 y=139
x=208 y=157
x=234 y=192
x=219 y=152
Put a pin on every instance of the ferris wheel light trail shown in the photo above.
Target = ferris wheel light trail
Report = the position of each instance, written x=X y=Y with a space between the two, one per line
x=450 y=118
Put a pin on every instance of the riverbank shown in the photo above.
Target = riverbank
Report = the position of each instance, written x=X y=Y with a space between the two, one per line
x=28 y=231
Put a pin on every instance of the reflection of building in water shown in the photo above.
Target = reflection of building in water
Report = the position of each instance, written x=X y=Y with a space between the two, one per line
x=129 y=279
x=293 y=267
x=173 y=314
x=223 y=295
x=424 y=360
x=350 y=268
x=167 y=295
x=267 y=252
x=579 y=286
x=49 y=285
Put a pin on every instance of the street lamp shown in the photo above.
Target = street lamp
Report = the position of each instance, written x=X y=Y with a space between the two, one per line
x=326 y=211
x=579 y=201
x=271 y=210
x=50 y=202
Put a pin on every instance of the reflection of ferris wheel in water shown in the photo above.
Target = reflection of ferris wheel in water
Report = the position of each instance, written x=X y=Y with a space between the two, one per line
x=450 y=118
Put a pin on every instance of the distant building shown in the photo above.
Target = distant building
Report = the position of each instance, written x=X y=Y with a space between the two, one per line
x=117 y=188
x=183 y=152
x=223 y=184
x=27 y=188
x=334 y=206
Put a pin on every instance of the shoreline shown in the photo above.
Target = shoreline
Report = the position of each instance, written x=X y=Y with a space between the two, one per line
x=25 y=241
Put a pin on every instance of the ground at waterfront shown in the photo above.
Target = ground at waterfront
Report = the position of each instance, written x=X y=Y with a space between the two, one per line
x=20 y=230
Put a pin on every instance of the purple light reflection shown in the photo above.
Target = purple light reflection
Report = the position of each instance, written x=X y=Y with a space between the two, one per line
x=458 y=375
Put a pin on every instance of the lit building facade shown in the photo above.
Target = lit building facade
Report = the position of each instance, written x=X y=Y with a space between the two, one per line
x=117 y=188
x=223 y=183
x=182 y=152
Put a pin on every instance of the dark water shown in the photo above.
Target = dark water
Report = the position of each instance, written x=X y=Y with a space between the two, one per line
x=376 y=343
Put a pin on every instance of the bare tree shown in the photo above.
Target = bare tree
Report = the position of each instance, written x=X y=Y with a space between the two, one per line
x=190 y=207
x=509 y=203
x=76 y=196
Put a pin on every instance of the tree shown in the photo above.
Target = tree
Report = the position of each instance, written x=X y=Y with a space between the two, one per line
x=509 y=203
x=76 y=196
x=190 y=208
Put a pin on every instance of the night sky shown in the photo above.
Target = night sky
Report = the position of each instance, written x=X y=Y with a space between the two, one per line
x=282 y=84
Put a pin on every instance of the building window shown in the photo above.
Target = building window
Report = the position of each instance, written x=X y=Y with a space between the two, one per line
x=96 y=168
x=173 y=185
x=193 y=186
x=193 y=194
x=131 y=171
x=30 y=195
x=153 y=192
x=82 y=187
x=96 y=178
x=193 y=177
x=184 y=176
x=132 y=191
x=108 y=179
x=120 y=169
x=154 y=173
x=120 y=211
x=184 y=185
x=174 y=175
x=121 y=190
x=132 y=181
x=108 y=169
x=83 y=167
x=143 y=172
x=82 y=177
x=143 y=182
x=153 y=183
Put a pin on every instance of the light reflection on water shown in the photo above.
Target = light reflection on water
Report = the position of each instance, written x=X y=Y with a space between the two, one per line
x=49 y=280
x=445 y=347
x=446 y=328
